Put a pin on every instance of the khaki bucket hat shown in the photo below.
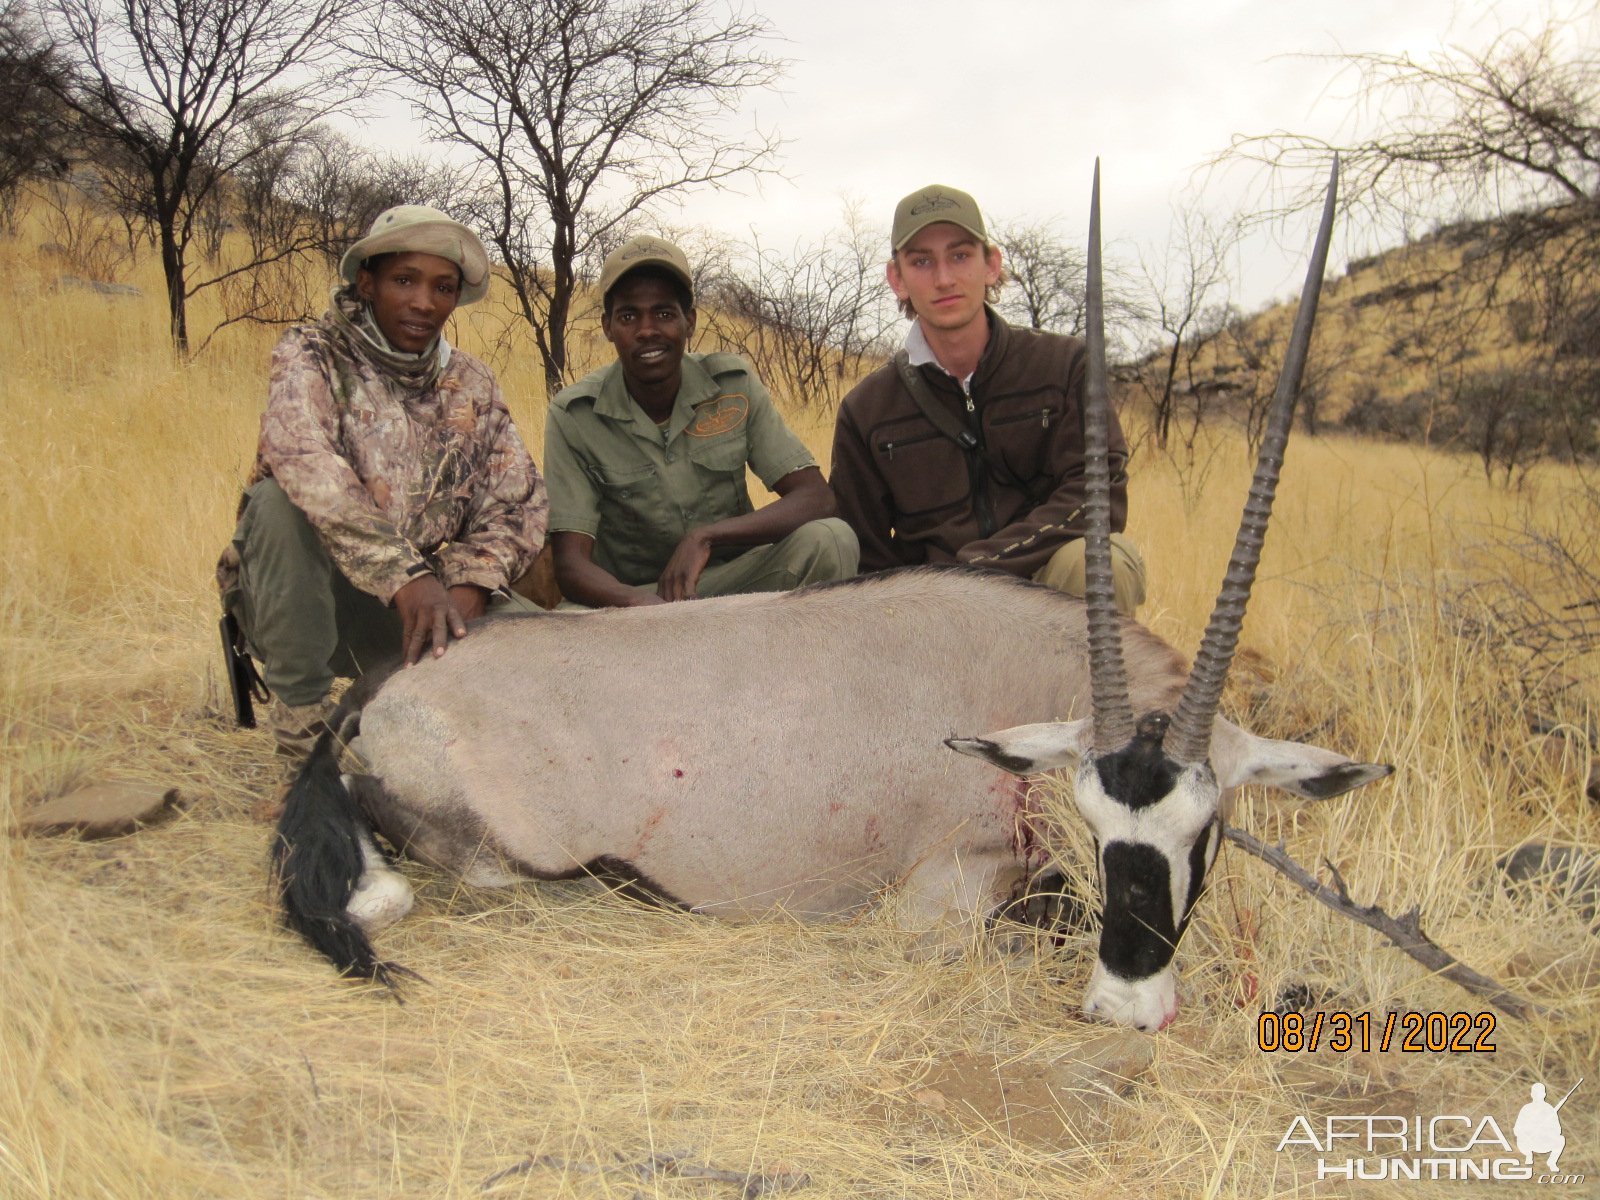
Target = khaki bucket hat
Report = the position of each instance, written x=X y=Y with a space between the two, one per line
x=930 y=205
x=419 y=229
x=644 y=251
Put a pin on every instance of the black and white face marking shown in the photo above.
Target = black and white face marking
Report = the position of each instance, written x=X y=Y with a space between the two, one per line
x=1157 y=825
x=1163 y=821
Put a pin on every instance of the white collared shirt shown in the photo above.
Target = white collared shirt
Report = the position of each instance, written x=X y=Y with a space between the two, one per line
x=920 y=353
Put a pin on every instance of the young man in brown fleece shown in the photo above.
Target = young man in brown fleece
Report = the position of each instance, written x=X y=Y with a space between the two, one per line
x=1009 y=493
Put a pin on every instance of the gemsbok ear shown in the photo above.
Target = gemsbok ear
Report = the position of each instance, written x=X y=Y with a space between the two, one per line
x=1240 y=758
x=1029 y=749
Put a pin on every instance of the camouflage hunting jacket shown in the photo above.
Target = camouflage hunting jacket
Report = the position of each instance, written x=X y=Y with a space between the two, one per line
x=397 y=478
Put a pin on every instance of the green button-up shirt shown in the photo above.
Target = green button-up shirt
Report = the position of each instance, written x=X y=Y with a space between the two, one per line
x=637 y=488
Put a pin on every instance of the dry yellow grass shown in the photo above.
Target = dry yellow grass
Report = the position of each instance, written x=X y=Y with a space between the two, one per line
x=161 y=1036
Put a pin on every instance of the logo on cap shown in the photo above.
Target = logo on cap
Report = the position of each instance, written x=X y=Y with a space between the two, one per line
x=933 y=202
x=646 y=249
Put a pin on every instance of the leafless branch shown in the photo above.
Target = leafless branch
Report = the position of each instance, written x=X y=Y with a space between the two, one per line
x=36 y=135
x=808 y=317
x=1404 y=931
x=1045 y=281
x=1491 y=153
x=1186 y=302
x=1512 y=125
x=581 y=115
x=178 y=96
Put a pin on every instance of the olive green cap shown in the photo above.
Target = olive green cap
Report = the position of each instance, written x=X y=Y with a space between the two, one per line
x=644 y=251
x=932 y=204
x=419 y=229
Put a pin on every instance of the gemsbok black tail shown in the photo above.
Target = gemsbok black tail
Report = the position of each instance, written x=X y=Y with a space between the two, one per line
x=317 y=864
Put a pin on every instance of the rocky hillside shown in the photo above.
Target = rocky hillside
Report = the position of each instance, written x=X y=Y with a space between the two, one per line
x=1466 y=337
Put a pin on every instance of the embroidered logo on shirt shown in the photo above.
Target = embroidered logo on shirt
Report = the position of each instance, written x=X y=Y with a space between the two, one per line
x=716 y=417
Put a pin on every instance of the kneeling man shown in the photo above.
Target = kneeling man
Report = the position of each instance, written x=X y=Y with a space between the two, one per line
x=646 y=461
x=968 y=446
x=392 y=500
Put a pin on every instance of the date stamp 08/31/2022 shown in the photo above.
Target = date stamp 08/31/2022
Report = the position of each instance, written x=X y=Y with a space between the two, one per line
x=1342 y=1032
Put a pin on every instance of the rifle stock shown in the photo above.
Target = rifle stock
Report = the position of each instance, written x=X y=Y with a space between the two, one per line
x=244 y=681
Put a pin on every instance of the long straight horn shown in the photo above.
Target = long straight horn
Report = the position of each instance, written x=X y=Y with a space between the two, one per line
x=1189 y=740
x=1108 y=679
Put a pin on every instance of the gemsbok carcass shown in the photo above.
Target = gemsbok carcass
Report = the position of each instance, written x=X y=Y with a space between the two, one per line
x=751 y=754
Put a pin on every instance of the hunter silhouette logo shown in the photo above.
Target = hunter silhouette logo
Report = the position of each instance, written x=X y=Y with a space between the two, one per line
x=1461 y=1146
x=1538 y=1127
x=933 y=202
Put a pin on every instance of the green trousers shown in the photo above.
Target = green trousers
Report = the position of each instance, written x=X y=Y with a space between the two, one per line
x=1067 y=572
x=303 y=619
x=815 y=553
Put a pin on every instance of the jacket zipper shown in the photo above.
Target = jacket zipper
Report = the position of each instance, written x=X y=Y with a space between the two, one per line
x=981 y=503
x=1042 y=414
x=890 y=447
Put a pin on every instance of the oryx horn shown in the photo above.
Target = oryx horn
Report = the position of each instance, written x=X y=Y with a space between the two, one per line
x=1108 y=679
x=1189 y=739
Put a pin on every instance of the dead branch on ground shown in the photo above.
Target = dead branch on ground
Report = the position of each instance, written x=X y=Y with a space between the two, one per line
x=1404 y=931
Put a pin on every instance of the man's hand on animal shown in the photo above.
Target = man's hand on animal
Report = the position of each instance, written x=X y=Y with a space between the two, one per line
x=680 y=578
x=384 y=452
x=471 y=601
x=429 y=615
x=814 y=809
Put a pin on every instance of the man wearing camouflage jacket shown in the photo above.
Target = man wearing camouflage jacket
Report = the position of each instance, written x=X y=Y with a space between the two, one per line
x=392 y=500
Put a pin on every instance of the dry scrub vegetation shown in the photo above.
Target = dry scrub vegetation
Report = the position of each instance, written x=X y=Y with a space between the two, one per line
x=160 y=1035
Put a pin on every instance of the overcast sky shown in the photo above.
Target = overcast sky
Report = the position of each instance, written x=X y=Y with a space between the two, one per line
x=1013 y=99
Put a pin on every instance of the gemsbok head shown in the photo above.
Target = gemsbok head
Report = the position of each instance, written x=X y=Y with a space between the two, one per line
x=1151 y=785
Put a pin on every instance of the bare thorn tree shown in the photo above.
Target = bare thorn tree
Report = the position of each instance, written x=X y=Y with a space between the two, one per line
x=1505 y=138
x=1514 y=125
x=809 y=319
x=581 y=114
x=34 y=134
x=1045 y=277
x=299 y=206
x=1187 y=297
x=181 y=94
x=1045 y=282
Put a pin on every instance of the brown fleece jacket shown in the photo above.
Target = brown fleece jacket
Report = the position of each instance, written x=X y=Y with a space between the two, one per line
x=913 y=496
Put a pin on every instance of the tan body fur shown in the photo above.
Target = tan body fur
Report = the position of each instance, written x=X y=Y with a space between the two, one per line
x=747 y=754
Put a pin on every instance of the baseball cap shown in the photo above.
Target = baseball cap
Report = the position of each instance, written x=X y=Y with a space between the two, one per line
x=644 y=251
x=932 y=204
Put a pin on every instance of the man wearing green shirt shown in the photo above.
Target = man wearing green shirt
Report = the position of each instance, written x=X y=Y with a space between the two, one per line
x=645 y=461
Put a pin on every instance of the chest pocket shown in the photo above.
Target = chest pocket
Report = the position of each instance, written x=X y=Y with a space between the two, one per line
x=719 y=456
x=624 y=483
x=719 y=474
x=632 y=502
x=1021 y=435
x=926 y=471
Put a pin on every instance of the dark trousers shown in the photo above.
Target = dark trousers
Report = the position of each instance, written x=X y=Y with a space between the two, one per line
x=303 y=619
